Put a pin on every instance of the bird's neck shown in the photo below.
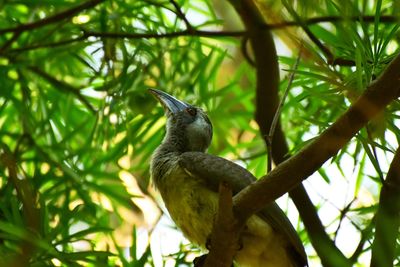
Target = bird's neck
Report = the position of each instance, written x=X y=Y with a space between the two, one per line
x=173 y=143
x=164 y=160
x=176 y=140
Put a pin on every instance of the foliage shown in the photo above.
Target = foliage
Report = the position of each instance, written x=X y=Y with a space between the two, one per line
x=77 y=127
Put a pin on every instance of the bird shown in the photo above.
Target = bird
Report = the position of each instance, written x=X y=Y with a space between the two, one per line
x=187 y=178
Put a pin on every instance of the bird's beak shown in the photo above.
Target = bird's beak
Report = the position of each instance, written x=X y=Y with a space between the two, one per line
x=170 y=103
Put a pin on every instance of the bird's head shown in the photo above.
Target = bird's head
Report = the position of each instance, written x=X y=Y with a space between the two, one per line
x=188 y=127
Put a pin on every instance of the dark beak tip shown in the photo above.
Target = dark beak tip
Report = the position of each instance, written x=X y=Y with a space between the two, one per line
x=152 y=91
x=169 y=102
x=157 y=94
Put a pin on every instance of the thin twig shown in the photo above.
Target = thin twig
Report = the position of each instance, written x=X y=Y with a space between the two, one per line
x=181 y=15
x=113 y=35
x=279 y=110
x=57 y=17
x=166 y=35
x=43 y=22
x=373 y=148
x=334 y=19
x=274 y=26
x=252 y=156
x=63 y=87
x=342 y=216
x=365 y=234
x=245 y=52
x=10 y=41
x=157 y=4
x=52 y=45
x=191 y=32
x=328 y=54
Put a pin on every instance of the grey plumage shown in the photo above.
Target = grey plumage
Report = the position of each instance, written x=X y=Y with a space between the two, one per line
x=188 y=180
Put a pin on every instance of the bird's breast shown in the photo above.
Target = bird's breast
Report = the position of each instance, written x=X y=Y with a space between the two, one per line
x=193 y=206
x=190 y=203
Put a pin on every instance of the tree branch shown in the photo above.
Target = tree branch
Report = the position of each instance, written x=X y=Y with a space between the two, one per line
x=48 y=45
x=190 y=32
x=335 y=19
x=326 y=249
x=89 y=4
x=276 y=118
x=198 y=33
x=387 y=217
x=328 y=54
x=300 y=166
x=132 y=36
x=226 y=232
x=365 y=234
x=49 y=20
x=267 y=103
x=343 y=214
x=9 y=42
x=181 y=15
x=63 y=87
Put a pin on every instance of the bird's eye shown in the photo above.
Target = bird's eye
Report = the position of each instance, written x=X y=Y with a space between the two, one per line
x=191 y=111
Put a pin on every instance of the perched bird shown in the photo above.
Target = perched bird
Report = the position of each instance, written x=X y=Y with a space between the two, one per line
x=188 y=179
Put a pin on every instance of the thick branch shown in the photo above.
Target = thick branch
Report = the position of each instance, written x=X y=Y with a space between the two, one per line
x=225 y=234
x=267 y=102
x=297 y=168
x=387 y=217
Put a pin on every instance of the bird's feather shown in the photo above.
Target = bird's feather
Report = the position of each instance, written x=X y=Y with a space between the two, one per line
x=215 y=170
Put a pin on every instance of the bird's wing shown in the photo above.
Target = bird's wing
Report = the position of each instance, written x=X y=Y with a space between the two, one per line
x=216 y=170
x=278 y=221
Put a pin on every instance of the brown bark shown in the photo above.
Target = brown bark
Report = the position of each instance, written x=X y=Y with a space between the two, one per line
x=388 y=217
